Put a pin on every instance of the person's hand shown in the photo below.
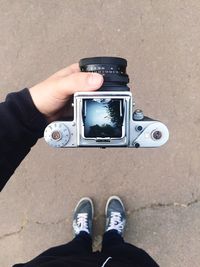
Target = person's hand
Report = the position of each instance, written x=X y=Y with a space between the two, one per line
x=51 y=96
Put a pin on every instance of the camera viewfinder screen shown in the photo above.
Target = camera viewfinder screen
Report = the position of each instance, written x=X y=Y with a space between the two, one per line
x=103 y=117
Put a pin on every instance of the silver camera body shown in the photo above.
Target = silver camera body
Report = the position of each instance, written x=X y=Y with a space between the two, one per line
x=105 y=118
x=119 y=128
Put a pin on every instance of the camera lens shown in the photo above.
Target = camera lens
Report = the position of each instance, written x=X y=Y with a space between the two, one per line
x=112 y=68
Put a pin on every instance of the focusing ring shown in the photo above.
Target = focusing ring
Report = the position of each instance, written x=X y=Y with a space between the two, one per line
x=112 y=68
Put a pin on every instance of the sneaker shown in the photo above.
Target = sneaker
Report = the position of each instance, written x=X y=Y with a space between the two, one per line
x=115 y=215
x=83 y=215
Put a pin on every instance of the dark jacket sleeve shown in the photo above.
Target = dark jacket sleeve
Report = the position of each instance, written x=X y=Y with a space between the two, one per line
x=21 y=124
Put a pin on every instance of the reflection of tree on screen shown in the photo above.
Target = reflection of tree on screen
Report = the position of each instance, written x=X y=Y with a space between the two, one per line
x=113 y=107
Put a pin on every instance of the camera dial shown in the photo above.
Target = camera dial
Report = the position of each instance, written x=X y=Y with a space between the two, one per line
x=57 y=135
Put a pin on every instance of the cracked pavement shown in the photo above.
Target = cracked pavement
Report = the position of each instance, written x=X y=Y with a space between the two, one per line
x=160 y=187
x=100 y=216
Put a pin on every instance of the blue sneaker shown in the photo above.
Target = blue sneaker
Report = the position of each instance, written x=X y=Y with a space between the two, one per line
x=83 y=216
x=115 y=215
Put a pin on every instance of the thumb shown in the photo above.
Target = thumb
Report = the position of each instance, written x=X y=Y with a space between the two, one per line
x=81 y=81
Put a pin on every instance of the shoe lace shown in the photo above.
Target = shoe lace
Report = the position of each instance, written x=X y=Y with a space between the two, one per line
x=116 y=222
x=81 y=224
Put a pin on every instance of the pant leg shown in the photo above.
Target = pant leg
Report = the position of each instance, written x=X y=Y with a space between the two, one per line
x=114 y=245
x=80 y=245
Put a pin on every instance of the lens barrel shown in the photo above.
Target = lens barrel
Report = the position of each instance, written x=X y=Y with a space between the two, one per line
x=112 y=68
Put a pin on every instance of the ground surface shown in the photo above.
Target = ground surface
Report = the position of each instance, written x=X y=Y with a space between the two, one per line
x=160 y=187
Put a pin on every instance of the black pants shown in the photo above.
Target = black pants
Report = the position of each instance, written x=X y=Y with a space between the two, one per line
x=113 y=245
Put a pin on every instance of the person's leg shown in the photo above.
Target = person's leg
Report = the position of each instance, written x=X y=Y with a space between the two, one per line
x=81 y=244
x=82 y=227
x=113 y=244
x=115 y=224
x=111 y=238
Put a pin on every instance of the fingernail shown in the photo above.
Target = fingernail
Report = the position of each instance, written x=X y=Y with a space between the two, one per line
x=95 y=79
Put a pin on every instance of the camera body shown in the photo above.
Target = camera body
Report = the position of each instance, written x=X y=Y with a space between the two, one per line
x=105 y=118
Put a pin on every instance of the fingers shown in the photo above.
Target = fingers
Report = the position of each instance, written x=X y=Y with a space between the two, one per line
x=68 y=70
x=81 y=81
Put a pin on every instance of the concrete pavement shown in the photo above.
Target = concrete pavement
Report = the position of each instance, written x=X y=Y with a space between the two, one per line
x=160 y=187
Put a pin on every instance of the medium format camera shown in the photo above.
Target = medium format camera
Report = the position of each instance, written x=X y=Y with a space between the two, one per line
x=105 y=118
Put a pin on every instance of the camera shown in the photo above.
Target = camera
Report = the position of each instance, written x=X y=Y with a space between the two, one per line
x=105 y=118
